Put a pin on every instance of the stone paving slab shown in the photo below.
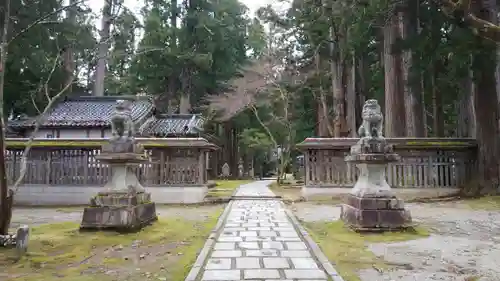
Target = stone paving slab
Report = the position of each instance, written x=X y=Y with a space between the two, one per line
x=258 y=241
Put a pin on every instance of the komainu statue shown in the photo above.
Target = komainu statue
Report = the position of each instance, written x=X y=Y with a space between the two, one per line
x=122 y=125
x=373 y=120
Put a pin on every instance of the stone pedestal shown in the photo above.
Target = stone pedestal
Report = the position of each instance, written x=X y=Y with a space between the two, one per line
x=122 y=212
x=371 y=204
x=124 y=204
x=375 y=214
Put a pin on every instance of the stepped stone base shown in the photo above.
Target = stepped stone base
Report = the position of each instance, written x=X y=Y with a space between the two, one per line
x=119 y=211
x=119 y=198
x=375 y=213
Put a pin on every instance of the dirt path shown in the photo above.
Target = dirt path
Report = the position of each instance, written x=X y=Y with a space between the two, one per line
x=464 y=244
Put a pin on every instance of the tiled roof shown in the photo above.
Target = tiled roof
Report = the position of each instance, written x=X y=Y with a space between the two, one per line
x=172 y=124
x=88 y=111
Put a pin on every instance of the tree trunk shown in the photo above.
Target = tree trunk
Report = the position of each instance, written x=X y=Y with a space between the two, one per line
x=323 y=122
x=185 y=98
x=234 y=161
x=5 y=197
x=466 y=115
x=437 y=103
x=190 y=44
x=102 y=59
x=471 y=112
x=351 y=101
x=337 y=68
x=394 y=100
x=173 y=82
x=486 y=105
x=362 y=87
x=68 y=56
x=411 y=78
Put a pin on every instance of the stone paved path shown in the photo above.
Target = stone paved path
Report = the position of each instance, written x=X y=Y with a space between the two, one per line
x=255 y=189
x=258 y=241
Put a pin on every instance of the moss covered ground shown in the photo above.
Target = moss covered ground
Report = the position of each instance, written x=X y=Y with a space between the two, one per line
x=225 y=188
x=164 y=250
x=347 y=250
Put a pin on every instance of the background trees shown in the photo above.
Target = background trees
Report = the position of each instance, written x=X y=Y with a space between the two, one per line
x=432 y=64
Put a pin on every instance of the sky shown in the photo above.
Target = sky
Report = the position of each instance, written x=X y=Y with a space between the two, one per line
x=135 y=5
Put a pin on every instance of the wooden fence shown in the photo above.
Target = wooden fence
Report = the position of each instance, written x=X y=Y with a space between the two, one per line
x=72 y=162
x=425 y=162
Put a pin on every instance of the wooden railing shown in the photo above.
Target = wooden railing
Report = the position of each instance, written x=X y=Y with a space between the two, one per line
x=425 y=162
x=72 y=162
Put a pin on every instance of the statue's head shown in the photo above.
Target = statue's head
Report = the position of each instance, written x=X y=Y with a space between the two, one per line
x=371 y=106
x=123 y=105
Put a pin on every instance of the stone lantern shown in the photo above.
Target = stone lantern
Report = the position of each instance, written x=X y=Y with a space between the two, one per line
x=124 y=204
x=371 y=205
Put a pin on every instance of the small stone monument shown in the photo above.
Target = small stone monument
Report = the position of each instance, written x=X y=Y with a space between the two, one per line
x=22 y=239
x=124 y=205
x=371 y=205
x=240 y=169
x=226 y=172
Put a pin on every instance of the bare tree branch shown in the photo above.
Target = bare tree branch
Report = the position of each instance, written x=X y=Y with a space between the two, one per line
x=41 y=19
x=49 y=77
x=461 y=12
x=39 y=121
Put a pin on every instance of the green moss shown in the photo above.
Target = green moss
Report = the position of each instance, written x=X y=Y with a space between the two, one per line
x=438 y=143
x=291 y=193
x=60 y=252
x=226 y=188
x=231 y=184
x=348 y=249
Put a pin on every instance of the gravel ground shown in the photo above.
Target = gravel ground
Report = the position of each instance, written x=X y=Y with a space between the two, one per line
x=36 y=216
x=464 y=244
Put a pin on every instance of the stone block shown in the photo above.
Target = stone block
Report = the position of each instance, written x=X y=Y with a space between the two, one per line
x=248 y=245
x=218 y=264
x=304 y=263
x=305 y=274
x=378 y=219
x=229 y=239
x=264 y=233
x=296 y=254
x=121 y=218
x=259 y=238
x=374 y=203
x=122 y=146
x=262 y=253
x=260 y=274
x=226 y=254
x=276 y=263
x=247 y=263
x=225 y=246
x=116 y=198
x=288 y=234
x=296 y=246
x=248 y=233
x=273 y=245
x=221 y=275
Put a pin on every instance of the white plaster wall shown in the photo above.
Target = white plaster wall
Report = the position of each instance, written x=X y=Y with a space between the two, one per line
x=70 y=133
x=44 y=195
x=308 y=192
